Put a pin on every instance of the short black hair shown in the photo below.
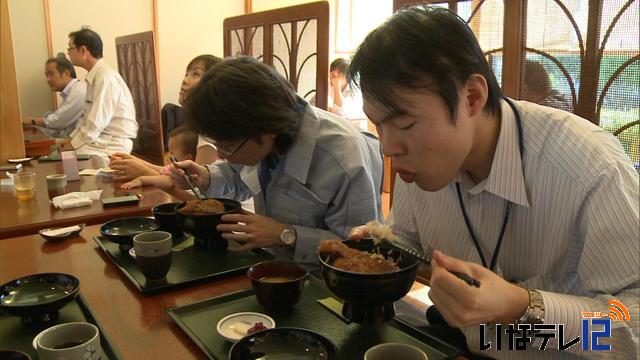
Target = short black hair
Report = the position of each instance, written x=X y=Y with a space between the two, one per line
x=241 y=98
x=207 y=61
x=89 y=39
x=187 y=138
x=421 y=47
x=536 y=77
x=62 y=64
x=340 y=65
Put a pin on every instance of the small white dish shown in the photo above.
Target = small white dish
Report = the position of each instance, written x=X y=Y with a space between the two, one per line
x=234 y=327
x=57 y=234
x=20 y=160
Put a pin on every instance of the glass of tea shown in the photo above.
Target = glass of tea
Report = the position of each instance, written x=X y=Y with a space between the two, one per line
x=25 y=183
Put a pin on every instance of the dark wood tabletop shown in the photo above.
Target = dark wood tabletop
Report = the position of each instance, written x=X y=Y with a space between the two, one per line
x=137 y=325
x=27 y=217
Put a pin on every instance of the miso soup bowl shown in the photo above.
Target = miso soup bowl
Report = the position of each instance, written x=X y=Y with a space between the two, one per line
x=277 y=284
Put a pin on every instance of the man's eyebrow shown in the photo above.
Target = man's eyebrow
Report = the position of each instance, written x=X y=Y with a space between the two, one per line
x=390 y=116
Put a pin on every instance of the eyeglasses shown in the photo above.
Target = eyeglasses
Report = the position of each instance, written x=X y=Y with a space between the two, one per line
x=226 y=152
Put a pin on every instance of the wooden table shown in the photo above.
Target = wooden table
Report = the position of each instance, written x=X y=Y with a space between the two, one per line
x=27 y=217
x=137 y=325
x=36 y=142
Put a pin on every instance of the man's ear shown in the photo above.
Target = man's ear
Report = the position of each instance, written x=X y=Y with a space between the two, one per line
x=476 y=93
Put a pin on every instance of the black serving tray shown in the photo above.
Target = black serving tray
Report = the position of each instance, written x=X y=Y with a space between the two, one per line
x=199 y=320
x=14 y=335
x=187 y=266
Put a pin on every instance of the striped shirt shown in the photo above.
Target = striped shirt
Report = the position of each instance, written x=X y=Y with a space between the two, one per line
x=573 y=233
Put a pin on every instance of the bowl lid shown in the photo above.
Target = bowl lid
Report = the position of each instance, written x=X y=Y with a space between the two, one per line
x=35 y=291
x=234 y=327
x=280 y=343
x=124 y=229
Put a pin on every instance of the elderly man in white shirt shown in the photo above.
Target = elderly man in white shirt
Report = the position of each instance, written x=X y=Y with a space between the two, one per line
x=537 y=204
x=109 y=123
x=61 y=76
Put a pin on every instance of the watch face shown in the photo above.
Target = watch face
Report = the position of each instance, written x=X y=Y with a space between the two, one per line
x=288 y=237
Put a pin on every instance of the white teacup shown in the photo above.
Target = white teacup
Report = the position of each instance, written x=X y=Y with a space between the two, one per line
x=70 y=341
x=392 y=351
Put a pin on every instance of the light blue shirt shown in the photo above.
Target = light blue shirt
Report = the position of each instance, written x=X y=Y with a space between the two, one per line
x=62 y=120
x=330 y=181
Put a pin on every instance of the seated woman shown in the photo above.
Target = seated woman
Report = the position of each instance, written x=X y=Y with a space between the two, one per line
x=130 y=167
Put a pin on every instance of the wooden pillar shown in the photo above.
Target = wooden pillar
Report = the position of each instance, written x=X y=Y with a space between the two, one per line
x=11 y=137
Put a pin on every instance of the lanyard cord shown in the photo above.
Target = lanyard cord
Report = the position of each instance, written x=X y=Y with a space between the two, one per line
x=507 y=212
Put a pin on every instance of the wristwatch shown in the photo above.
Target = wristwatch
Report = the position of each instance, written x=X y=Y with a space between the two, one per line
x=535 y=310
x=288 y=236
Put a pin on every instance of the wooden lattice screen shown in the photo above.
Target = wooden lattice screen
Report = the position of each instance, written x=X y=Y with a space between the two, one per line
x=589 y=51
x=294 y=40
x=137 y=65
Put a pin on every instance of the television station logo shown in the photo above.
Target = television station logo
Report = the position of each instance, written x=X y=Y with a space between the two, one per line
x=596 y=326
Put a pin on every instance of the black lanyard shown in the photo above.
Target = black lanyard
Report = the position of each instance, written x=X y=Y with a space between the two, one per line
x=507 y=212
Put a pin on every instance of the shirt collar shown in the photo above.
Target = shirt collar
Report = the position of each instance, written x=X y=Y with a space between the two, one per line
x=298 y=159
x=506 y=178
x=94 y=70
x=67 y=89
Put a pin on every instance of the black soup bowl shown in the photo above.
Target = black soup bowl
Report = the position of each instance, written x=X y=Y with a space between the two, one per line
x=122 y=231
x=37 y=298
x=203 y=226
x=170 y=220
x=368 y=298
x=278 y=284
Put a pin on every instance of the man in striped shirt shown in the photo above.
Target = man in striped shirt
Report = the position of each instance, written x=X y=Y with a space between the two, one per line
x=539 y=205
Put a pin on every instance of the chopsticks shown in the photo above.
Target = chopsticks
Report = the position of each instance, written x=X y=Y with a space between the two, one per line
x=418 y=255
x=192 y=185
x=380 y=232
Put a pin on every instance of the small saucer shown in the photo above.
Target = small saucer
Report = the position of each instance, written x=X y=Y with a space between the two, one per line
x=234 y=327
x=60 y=236
x=18 y=161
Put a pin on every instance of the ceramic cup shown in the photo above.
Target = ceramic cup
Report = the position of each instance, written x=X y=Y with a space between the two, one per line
x=153 y=254
x=25 y=184
x=394 y=351
x=70 y=341
x=56 y=185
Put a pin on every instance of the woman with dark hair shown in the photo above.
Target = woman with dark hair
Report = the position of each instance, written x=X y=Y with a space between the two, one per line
x=537 y=87
x=537 y=204
x=312 y=175
x=130 y=167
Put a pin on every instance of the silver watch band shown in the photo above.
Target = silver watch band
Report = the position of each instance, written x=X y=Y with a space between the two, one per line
x=535 y=310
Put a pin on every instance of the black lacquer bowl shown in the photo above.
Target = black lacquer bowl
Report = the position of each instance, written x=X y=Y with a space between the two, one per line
x=368 y=298
x=122 y=231
x=203 y=226
x=170 y=220
x=37 y=298
x=284 y=343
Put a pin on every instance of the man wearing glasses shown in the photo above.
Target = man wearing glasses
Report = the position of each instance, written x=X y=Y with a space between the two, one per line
x=312 y=175
x=109 y=121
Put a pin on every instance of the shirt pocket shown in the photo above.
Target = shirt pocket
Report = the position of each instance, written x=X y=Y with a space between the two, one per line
x=297 y=205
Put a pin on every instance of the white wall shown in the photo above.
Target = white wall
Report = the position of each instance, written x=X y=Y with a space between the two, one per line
x=110 y=19
x=187 y=29
x=30 y=51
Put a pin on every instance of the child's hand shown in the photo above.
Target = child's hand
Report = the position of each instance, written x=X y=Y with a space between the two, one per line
x=137 y=182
